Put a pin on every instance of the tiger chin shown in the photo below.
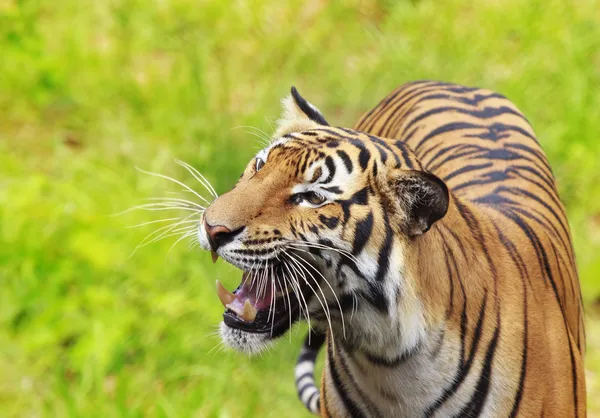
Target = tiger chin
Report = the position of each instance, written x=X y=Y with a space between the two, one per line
x=427 y=249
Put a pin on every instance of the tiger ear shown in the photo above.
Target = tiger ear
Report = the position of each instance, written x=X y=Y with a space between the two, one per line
x=298 y=115
x=424 y=198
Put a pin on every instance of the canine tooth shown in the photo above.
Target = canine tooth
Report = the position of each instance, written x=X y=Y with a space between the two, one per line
x=214 y=256
x=249 y=312
x=225 y=296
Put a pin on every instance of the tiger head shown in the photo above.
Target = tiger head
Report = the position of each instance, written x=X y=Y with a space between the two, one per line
x=323 y=224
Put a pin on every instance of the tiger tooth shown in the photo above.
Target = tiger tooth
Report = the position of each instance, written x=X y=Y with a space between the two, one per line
x=249 y=312
x=214 y=256
x=225 y=296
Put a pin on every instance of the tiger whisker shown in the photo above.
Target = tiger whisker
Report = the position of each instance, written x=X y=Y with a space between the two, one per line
x=172 y=233
x=220 y=346
x=289 y=302
x=174 y=181
x=156 y=206
x=263 y=142
x=273 y=300
x=303 y=272
x=326 y=247
x=322 y=303
x=152 y=222
x=341 y=252
x=295 y=284
x=259 y=277
x=187 y=235
x=265 y=278
x=160 y=206
x=157 y=234
x=270 y=124
x=259 y=133
x=168 y=228
x=175 y=200
x=295 y=288
x=330 y=287
x=199 y=177
x=354 y=306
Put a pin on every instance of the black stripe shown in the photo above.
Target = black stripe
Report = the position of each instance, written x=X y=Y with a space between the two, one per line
x=397 y=105
x=303 y=375
x=383 y=259
x=346 y=160
x=330 y=222
x=373 y=412
x=331 y=168
x=363 y=158
x=453 y=149
x=450 y=309
x=403 y=149
x=464 y=367
x=475 y=405
x=484 y=113
x=362 y=233
x=387 y=146
x=494 y=131
x=522 y=268
x=533 y=151
x=302 y=167
x=395 y=102
x=311 y=399
x=465 y=169
x=351 y=407
x=382 y=153
x=305 y=386
x=545 y=268
x=333 y=189
x=331 y=132
x=307 y=356
x=366 y=118
x=475 y=101
x=532 y=196
x=548 y=185
x=449 y=127
x=351 y=132
x=391 y=363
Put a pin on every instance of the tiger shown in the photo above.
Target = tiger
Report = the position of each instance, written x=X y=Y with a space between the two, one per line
x=426 y=248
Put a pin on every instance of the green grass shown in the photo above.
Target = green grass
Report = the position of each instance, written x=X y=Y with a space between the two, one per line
x=90 y=90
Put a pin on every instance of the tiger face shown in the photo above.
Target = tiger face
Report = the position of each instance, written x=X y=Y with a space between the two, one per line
x=320 y=224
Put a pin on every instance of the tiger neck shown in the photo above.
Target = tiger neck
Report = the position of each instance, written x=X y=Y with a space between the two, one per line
x=421 y=286
x=402 y=360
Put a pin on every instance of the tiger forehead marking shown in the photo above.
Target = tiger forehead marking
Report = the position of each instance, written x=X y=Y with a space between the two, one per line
x=427 y=248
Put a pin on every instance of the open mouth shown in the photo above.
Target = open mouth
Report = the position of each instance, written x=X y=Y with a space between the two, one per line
x=262 y=303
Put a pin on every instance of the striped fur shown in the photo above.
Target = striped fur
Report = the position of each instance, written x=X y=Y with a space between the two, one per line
x=308 y=393
x=461 y=296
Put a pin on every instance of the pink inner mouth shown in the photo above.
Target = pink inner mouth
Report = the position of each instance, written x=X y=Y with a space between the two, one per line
x=259 y=296
x=252 y=295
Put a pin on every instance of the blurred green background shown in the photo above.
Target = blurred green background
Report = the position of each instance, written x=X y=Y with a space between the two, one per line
x=91 y=89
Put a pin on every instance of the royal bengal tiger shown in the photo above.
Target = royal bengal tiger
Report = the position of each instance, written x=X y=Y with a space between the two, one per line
x=427 y=246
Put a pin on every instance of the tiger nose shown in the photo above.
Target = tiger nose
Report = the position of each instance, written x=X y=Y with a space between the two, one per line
x=219 y=235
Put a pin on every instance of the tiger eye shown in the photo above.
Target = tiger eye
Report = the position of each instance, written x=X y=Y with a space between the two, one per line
x=314 y=198
x=259 y=164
